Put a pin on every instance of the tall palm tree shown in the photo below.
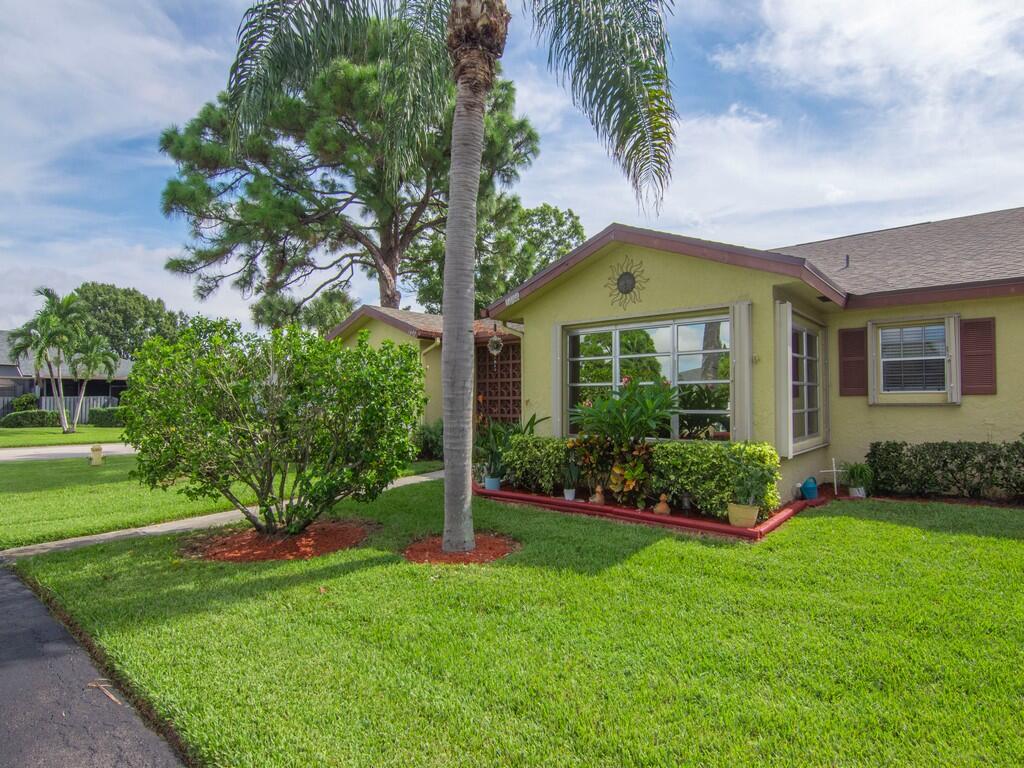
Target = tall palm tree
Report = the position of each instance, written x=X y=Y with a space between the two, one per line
x=47 y=339
x=89 y=356
x=612 y=55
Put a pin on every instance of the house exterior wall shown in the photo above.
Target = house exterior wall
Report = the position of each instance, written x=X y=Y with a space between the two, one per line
x=676 y=284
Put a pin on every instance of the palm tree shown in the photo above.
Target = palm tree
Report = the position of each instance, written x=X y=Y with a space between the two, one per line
x=611 y=53
x=90 y=355
x=47 y=337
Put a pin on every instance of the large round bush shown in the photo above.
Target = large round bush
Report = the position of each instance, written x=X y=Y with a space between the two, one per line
x=299 y=420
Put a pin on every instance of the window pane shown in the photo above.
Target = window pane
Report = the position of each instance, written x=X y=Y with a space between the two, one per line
x=694 y=337
x=935 y=340
x=643 y=341
x=798 y=368
x=646 y=369
x=812 y=345
x=590 y=344
x=704 y=426
x=707 y=367
x=799 y=397
x=812 y=370
x=581 y=395
x=890 y=342
x=799 y=425
x=704 y=397
x=812 y=397
x=590 y=372
x=812 y=423
x=913 y=342
x=914 y=375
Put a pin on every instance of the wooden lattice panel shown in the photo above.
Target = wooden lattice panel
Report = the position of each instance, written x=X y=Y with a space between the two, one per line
x=499 y=383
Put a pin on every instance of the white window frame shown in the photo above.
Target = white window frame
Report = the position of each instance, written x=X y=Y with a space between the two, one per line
x=805 y=329
x=787 y=320
x=877 y=395
x=738 y=317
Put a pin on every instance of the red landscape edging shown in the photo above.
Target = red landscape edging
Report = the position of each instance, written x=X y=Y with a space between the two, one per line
x=680 y=522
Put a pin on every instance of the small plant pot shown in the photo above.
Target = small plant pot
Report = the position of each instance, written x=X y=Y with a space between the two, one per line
x=492 y=483
x=743 y=515
x=858 y=493
x=569 y=494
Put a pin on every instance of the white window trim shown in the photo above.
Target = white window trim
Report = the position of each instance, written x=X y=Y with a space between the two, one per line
x=785 y=444
x=741 y=342
x=875 y=391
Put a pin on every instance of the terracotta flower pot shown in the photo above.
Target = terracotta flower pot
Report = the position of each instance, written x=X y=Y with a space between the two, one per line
x=743 y=515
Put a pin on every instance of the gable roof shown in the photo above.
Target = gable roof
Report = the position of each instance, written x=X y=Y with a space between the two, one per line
x=725 y=253
x=970 y=257
x=25 y=369
x=417 y=324
x=982 y=249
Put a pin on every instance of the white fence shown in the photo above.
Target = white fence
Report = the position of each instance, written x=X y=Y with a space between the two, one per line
x=70 y=403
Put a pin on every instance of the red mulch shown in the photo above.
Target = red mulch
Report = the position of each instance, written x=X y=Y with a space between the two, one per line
x=252 y=546
x=488 y=547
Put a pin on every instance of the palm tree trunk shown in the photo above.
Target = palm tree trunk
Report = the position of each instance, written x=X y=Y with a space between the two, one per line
x=78 y=405
x=476 y=38
x=58 y=395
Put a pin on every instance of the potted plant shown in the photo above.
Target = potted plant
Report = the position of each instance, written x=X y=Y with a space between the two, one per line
x=858 y=477
x=749 y=483
x=490 y=448
x=570 y=478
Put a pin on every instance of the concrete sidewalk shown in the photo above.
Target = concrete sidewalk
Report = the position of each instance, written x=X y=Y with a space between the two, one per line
x=174 y=526
x=63 y=451
x=53 y=710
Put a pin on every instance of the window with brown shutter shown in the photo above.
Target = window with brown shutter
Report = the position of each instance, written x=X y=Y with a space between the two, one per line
x=978 y=356
x=853 y=361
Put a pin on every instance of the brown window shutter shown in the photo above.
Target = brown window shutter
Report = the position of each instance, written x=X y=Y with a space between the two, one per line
x=978 y=356
x=853 y=361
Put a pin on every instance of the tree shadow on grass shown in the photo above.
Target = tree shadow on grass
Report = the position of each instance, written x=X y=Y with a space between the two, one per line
x=933 y=516
x=35 y=475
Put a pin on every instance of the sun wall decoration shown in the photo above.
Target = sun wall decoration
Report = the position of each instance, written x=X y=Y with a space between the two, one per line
x=626 y=281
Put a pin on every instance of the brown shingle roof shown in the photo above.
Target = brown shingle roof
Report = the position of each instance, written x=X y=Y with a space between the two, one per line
x=418 y=324
x=970 y=249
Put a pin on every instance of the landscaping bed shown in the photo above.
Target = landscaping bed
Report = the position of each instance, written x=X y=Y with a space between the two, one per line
x=251 y=546
x=674 y=520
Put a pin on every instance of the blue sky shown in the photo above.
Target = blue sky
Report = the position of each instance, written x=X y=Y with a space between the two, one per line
x=799 y=119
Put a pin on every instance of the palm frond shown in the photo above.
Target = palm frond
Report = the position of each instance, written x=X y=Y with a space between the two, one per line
x=613 y=56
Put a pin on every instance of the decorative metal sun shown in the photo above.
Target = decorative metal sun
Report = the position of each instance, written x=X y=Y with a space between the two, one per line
x=626 y=281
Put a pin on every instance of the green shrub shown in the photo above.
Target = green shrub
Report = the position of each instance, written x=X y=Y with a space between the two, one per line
x=301 y=420
x=429 y=440
x=32 y=418
x=535 y=463
x=857 y=475
x=702 y=472
x=106 y=417
x=963 y=468
x=26 y=402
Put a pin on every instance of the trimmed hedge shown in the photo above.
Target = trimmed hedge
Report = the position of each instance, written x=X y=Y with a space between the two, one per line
x=33 y=418
x=535 y=463
x=699 y=469
x=106 y=417
x=702 y=470
x=26 y=402
x=976 y=470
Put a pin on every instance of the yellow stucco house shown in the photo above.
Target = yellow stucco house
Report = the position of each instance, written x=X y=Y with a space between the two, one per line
x=819 y=348
x=498 y=372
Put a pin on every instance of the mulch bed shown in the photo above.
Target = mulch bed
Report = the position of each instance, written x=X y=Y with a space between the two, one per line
x=489 y=547
x=251 y=546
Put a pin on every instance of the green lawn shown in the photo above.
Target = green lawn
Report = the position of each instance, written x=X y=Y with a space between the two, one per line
x=23 y=437
x=859 y=634
x=422 y=467
x=49 y=499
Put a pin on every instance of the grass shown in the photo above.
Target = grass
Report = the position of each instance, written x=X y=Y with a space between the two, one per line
x=45 y=500
x=859 y=634
x=24 y=437
x=422 y=467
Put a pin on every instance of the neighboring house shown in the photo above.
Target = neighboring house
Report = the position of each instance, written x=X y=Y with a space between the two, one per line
x=821 y=348
x=18 y=377
x=498 y=376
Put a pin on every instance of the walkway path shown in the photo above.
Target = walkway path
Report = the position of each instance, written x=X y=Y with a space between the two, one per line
x=62 y=451
x=52 y=712
x=174 y=526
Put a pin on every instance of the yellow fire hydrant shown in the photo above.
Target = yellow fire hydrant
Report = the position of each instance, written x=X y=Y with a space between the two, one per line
x=96 y=459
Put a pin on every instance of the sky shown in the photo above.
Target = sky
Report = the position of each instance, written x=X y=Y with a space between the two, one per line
x=798 y=120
